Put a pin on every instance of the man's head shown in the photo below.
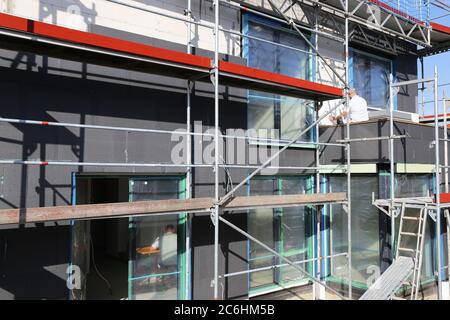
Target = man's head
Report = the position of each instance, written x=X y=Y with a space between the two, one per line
x=170 y=228
x=352 y=92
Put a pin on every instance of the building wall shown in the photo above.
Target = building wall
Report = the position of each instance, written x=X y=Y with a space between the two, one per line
x=414 y=149
x=44 y=88
x=86 y=14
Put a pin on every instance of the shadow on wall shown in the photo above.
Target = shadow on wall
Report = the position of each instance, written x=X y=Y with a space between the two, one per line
x=31 y=269
x=43 y=88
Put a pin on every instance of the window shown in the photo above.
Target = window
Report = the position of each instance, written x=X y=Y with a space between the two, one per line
x=268 y=111
x=141 y=258
x=369 y=75
x=365 y=229
x=157 y=274
x=415 y=185
x=285 y=230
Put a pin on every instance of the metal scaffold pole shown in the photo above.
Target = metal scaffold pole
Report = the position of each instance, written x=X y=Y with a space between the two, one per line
x=317 y=164
x=446 y=184
x=444 y=109
x=188 y=153
x=391 y=165
x=348 y=149
x=215 y=210
x=437 y=185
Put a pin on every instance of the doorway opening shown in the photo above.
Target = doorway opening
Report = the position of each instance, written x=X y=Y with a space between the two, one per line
x=140 y=257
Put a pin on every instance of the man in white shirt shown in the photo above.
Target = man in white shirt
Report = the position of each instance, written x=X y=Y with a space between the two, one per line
x=167 y=244
x=356 y=111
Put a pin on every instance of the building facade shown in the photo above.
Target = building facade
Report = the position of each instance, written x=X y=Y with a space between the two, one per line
x=112 y=256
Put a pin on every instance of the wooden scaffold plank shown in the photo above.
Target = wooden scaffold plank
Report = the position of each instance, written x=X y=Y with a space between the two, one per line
x=153 y=207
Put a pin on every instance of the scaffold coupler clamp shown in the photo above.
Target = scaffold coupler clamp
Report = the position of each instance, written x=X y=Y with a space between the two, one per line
x=213 y=214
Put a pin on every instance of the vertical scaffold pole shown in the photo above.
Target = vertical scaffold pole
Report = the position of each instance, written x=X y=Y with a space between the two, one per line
x=317 y=164
x=391 y=164
x=438 y=184
x=188 y=155
x=444 y=108
x=349 y=171
x=216 y=149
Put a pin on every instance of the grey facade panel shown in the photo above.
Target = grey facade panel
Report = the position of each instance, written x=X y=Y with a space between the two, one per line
x=406 y=70
x=33 y=263
x=413 y=149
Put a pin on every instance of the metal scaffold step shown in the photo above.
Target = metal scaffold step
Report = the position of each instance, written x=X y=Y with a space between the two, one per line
x=412 y=234
x=412 y=218
x=392 y=279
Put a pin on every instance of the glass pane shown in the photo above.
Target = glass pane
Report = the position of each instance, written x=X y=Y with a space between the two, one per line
x=155 y=244
x=294 y=63
x=275 y=58
x=265 y=277
x=261 y=225
x=266 y=111
x=371 y=79
x=293 y=220
x=160 y=287
x=283 y=229
x=262 y=55
x=291 y=274
x=295 y=116
x=416 y=185
x=261 y=111
x=365 y=228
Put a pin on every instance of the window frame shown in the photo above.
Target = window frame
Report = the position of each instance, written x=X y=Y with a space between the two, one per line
x=375 y=56
x=311 y=76
x=181 y=226
x=310 y=241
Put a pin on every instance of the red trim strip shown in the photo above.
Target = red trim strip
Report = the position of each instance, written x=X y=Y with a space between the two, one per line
x=278 y=78
x=105 y=42
x=110 y=43
x=432 y=116
x=13 y=22
x=445 y=198
x=440 y=27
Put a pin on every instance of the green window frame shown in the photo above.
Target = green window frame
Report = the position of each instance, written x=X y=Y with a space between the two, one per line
x=280 y=239
x=182 y=285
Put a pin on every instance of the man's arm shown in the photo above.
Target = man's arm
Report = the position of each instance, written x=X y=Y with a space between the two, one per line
x=342 y=115
x=155 y=244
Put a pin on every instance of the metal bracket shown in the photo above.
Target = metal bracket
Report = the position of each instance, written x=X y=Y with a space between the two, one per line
x=396 y=211
x=381 y=208
x=213 y=216
x=345 y=207
x=432 y=214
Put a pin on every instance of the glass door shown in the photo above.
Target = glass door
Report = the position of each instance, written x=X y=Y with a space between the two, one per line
x=157 y=266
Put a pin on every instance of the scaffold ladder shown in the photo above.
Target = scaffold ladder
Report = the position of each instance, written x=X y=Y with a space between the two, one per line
x=407 y=265
x=410 y=244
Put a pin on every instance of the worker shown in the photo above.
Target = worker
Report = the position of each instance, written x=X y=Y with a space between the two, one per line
x=167 y=245
x=356 y=111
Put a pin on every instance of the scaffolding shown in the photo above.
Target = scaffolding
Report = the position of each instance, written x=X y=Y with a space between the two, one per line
x=435 y=206
x=194 y=68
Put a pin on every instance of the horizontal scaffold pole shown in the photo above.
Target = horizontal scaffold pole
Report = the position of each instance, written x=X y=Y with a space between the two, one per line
x=160 y=207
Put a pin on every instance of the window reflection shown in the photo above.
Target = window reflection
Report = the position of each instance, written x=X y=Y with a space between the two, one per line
x=268 y=111
x=371 y=78
x=157 y=245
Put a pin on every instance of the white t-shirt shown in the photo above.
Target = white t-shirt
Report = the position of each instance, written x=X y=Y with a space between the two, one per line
x=358 y=109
